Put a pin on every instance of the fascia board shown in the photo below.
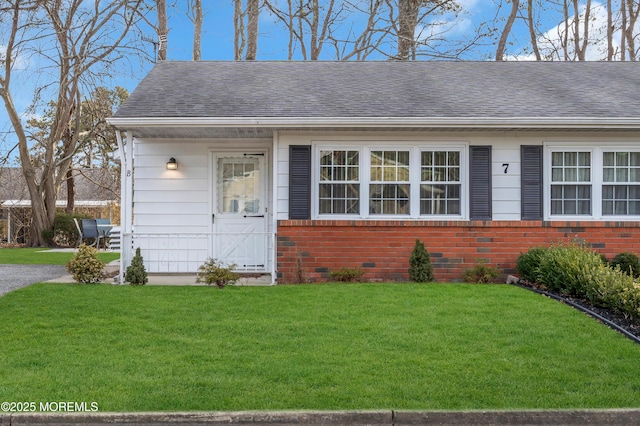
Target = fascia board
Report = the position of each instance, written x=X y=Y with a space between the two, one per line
x=379 y=122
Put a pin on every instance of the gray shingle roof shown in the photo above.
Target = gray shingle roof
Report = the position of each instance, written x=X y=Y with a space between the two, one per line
x=387 y=89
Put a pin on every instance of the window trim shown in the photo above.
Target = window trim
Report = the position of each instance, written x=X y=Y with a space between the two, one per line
x=597 y=149
x=415 y=148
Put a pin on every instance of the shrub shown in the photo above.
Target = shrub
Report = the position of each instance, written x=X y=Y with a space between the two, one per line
x=480 y=273
x=136 y=274
x=562 y=268
x=216 y=272
x=628 y=263
x=421 y=270
x=85 y=267
x=65 y=231
x=611 y=288
x=527 y=263
x=348 y=275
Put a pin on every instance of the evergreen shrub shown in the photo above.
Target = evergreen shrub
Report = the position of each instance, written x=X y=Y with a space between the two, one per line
x=420 y=269
x=628 y=263
x=85 y=267
x=136 y=274
x=214 y=272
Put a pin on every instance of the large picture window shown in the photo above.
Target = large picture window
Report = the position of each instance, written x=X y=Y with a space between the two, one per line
x=392 y=180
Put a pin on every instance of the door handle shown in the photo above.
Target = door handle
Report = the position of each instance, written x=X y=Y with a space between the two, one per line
x=259 y=215
x=213 y=218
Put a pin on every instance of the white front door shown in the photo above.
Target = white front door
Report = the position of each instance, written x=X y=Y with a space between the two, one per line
x=240 y=210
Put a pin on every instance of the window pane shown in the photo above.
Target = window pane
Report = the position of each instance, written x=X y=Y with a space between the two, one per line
x=608 y=159
x=622 y=158
x=557 y=159
x=608 y=175
x=622 y=175
x=634 y=158
x=570 y=159
x=584 y=159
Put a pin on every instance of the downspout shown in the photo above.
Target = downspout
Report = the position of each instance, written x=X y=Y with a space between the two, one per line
x=274 y=207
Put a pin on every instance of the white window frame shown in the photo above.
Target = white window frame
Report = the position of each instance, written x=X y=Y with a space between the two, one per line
x=597 y=150
x=415 y=149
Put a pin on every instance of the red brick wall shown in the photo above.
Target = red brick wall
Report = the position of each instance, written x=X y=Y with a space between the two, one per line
x=382 y=247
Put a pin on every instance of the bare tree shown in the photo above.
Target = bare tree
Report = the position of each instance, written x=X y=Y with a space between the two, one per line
x=194 y=13
x=515 y=4
x=78 y=40
x=630 y=30
x=245 y=41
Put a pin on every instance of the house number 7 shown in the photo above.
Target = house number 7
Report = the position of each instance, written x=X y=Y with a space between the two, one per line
x=506 y=167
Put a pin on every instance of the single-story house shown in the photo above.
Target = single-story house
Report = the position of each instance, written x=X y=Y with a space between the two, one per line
x=296 y=169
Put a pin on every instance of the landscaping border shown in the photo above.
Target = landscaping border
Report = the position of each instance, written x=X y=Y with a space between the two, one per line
x=380 y=417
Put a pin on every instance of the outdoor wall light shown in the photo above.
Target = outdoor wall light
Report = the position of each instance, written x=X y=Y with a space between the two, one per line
x=172 y=164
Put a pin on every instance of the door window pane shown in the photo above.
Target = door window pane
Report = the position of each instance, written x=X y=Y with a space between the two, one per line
x=239 y=185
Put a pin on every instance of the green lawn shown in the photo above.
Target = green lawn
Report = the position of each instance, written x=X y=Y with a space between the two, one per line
x=43 y=256
x=348 y=346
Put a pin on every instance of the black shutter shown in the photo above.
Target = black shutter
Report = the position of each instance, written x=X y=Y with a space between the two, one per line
x=300 y=182
x=531 y=182
x=480 y=187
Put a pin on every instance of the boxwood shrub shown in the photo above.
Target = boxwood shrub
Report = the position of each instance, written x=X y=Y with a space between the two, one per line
x=578 y=271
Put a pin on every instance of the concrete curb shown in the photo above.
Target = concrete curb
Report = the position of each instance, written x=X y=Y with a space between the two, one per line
x=381 y=417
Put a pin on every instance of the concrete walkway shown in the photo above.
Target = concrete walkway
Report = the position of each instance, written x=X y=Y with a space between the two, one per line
x=167 y=279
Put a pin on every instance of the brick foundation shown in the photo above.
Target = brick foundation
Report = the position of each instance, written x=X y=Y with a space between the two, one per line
x=382 y=247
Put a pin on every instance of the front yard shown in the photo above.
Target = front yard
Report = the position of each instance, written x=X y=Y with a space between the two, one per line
x=44 y=256
x=348 y=346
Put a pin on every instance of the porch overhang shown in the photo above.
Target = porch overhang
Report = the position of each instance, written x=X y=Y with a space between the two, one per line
x=263 y=127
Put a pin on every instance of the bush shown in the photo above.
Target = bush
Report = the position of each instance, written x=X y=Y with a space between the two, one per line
x=480 y=273
x=136 y=274
x=611 y=288
x=562 y=268
x=85 y=267
x=421 y=270
x=628 y=263
x=65 y=231
x=348 y=275
x=527 y=264
x=215 y=272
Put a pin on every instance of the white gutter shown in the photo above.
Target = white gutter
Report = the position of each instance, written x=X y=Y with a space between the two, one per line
x=380 y=122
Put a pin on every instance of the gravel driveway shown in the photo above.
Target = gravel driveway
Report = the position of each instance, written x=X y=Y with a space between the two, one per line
x=13 y=277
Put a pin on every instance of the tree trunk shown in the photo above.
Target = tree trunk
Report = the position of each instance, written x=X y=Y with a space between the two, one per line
x=197 y=30
x=253 y=10
x=163 y=30
x=407 y=21
x=71 y=192
x=515 y=4
x=532 y=31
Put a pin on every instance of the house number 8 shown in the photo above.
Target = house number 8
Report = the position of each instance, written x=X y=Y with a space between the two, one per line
x=506 y=167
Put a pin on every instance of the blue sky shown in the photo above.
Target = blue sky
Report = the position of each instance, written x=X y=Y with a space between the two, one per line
x=217 y=41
